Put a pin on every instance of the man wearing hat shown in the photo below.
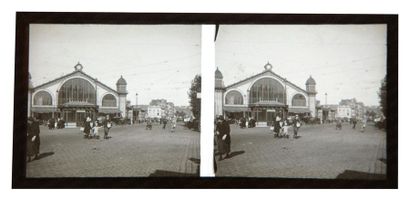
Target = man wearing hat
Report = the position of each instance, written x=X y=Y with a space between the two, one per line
x=223 y=135
x=33 y=138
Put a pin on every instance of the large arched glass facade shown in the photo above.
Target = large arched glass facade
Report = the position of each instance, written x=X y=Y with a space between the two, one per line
x=43 y=98
x=298 y=100
x=233 y=98
x=76 y=90
x=109 y=101
x=266 y=89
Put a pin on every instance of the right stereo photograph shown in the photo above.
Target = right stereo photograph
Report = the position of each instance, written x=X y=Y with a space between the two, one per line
x=301 y=101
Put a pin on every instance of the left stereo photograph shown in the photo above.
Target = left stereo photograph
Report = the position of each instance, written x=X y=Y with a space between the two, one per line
x=113 y=100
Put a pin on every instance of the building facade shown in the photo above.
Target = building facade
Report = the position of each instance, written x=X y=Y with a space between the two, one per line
x=344 y=111
x=328 y=113
x=167 y=108
x=76 y=96
x=357 y=109
x=263 y=97
x=155 y=112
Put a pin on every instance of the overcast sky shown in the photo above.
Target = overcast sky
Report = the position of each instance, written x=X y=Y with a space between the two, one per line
x=347 y=61
x=157 y=61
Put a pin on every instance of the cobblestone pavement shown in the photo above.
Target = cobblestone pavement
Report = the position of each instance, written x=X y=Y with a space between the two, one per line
x=320 y=152
x=132 y=151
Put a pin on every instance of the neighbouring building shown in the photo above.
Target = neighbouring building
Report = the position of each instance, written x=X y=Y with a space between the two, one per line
x=75 y=96
x=357 y=109
x=344 y=111
x=167 y=108
x=263 y=97
x=142 y=112
x=155 y=112
x=329 y=113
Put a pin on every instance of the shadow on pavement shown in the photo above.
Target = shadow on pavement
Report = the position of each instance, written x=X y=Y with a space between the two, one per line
x=194 y=160
x=236 y=153
x=197 y=162
x=43 y=155
x=164 y=173
x=350 y=174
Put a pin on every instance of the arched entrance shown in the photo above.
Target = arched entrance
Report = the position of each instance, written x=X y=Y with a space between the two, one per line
x=267 y=98
x=76 y=101
x=42 y=102
x=233 y=99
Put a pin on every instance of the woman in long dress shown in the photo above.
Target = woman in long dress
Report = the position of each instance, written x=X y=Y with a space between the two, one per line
x=107 y=126
x=87 y=128
x=277 y=126
x=223 y=133
x=33 y=138
x=296 y=125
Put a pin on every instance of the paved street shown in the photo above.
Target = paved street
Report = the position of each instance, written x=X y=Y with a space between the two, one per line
x=320 y=152
x=132 y=151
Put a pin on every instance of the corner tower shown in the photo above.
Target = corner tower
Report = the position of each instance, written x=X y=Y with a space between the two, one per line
x=219 y=92
x=122 y=94
x=30 y=94
x=311 y=92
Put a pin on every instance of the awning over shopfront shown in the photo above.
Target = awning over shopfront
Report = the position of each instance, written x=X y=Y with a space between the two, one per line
x=109 y=110
x=43 y=109
x=74 y=104
x=299 y=110
x=235 y=109
x=268 y=104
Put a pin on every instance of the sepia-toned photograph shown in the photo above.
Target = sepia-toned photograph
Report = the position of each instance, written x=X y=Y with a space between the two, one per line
x=301 y=101
x=113 y=100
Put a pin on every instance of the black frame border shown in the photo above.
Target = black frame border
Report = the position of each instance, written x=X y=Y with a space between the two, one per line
x=24 y=19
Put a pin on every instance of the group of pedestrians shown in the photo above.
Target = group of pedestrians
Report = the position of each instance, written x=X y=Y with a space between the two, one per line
x=164 y=123
x=58 y=123
x=250 y=122
x=280 y=127
x=33 y=139
x=354 y=123
x=364 y=123
x=91 y=129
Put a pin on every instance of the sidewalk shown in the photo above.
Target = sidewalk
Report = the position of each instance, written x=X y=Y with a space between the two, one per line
x=131 y=152
x=320 y=152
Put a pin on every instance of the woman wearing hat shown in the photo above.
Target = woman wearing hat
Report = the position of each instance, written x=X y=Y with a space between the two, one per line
x=296 y=125
x=87 y=127
x=223 y=134
x=33 y=138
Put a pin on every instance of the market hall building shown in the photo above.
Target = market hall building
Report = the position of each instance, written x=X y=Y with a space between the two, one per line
x=76 y=96
x=263 y=97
